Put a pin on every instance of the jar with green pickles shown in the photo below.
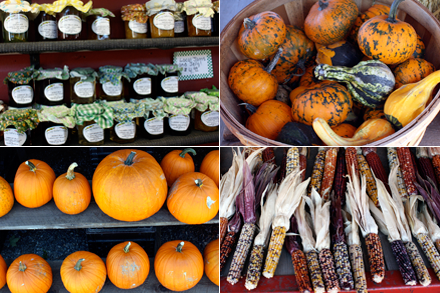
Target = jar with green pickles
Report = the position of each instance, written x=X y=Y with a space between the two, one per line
x=17 y=125
x=135 y=21
x=111 y=85
x=178 y=110
x=83 y=85
x=151 y=125
x=99 y=24
x=51 y=86
x=168 y=80
x=20 y=88
x=124 y=126
x=143 y=81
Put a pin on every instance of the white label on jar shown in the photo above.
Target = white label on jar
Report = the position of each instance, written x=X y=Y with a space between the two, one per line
x=23 y=94
x=179 y=27
x=56 y=135
x=101 y=26
x=93 y=133
x=111 y=89
x=125 y=130
x=13 y=138
x=210 y=118
x=84 y=89
x=137 y=27
x=164 y=21
x=142 y=86
x=154 y=126
x=16 y=23
x=70 y=24
x=54 y=92
x=201 y=22
x=179 y=122
x=48 y=29
x=170 y=84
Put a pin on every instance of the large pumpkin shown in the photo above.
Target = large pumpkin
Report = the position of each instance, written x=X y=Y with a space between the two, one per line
x=127 y=265
x=269 y=119
x=33 y=183
x=210 y=166
x=329 y=21
x=260 y=35
x=129 y=185
x=3 y=269
x=29 y=273
x=6 y=197
x=177 y=163
x=71 y=192
x=375 y=10
x=412 y=71
x=210 y=256
x=83 y=272
x=193 y=199
x=178 y=265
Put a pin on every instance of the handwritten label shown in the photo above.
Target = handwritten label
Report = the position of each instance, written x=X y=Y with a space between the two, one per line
x=195 y=64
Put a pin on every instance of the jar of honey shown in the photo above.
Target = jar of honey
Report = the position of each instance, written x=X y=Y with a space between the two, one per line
x=206 y=115
x=124 y=127
x=178 y=110
x=151 y=125
x=168 y=80
x=83 y=85
x=112 y=87
x=143 y=81
x=199 y=14
x=135 y=21
x=20 y=88
x=50 y=85
x=180 y=27
x=17 y=125
x=161 y=15
x=98 y=23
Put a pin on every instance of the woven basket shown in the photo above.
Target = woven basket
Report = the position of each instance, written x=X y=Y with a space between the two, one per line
x=294 y=12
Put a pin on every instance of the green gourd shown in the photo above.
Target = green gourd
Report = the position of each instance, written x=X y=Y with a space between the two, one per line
x=369 y=82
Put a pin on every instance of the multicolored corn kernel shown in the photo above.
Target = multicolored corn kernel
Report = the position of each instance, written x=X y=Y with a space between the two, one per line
x=226 y=248
x=343 y=266
x=375 y=257
x=274 y=251
x=315 y=271
x=404 y=263
x=329 y=173
x=254 y=269
x=317 y=172
x=357 y=261
x=299 y=262
x=365 y=170
x=418 y=264
x=430 y=251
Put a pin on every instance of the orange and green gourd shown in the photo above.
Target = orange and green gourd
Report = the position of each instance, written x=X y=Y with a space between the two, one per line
x=412 y=70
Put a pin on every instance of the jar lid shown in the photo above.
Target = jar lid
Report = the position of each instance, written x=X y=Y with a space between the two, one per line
x=203 y=7
x=152 y=105
x=169 y=68
x=136 y=12
x=113 y=74
x=57 y=114
x=100 y=12
x=126 y=112
x=156 y=6
x=86 y=74
x=17 y=6
x=59 y=5
x=21 y=119
x=203 y=101
x=23 y=76
x=179 y=13
x=135 y=69
x=100 y=112
x=177 y=106
x=58 y=73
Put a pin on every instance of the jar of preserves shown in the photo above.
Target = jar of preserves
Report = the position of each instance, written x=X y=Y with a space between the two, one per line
x=46 y=27
x=168 y=80
x=216 y=19
x=110 y=79
x=69 y=18
x=180 y=27
x=98 y=23
x=17 y=125
x=90 y=134
x=178 y=110
x=91 y=120
x=135 y=21
x=15 y=16
x=143 y=83
x=206 y=115
x=161 y=15
x=50 y=85
x=198 y=17
x=151 y=125
x=55 y=126
x=20 y=88
x=83 y=85
x=124 y=127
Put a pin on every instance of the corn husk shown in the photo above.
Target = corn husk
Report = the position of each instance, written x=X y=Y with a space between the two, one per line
x=305 y=230
x=425 y=217
x=411 y=207
x=227 y=186
x=351 y=228
x=320 y=212
x=378 y=216
x=267 y=214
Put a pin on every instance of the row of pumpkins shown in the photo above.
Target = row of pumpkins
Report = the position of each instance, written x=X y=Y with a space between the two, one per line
x=353 y=78
x=128 y=185
x=178 y=266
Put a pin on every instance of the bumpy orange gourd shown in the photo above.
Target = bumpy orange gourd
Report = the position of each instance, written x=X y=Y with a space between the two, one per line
x=210 y=257
x=210 y=166
x=329 y=21
x=3 y=269
x=194 y=198
x=411 y=71
x=6 y=197
x=177 y=163
x=178 y=265
x=375 y=10
x=83 y=272
x=372 y=113
x=129 y=185
x=127 y=265
x=29 y=273
x=71 y=192
x=260 y=35
x=420 y=49
x=308 y=79
x=345 y=130
x=33 y=183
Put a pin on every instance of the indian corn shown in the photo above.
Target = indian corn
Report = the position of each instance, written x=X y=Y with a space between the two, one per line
x=329 y=172
x=365 y=170
x=394 y=161
x=318 y=171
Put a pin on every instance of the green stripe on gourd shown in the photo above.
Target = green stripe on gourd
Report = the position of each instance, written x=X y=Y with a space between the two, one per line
x=369 y=82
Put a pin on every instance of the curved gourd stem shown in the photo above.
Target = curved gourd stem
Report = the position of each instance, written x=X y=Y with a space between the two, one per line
x=78 y=266
x=248 y=23
x=274 y=61
x=330 y=138
x=323 y=4
x=249 y=107
x=70 y=173
x=199 y=182
x=187 y=150
x=22 y=267
x=180 y=246
x=127 y=247
x=31 y=166
x=130 y=158
x=392 y=17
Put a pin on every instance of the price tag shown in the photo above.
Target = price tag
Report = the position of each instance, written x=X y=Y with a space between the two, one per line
x=195 y=64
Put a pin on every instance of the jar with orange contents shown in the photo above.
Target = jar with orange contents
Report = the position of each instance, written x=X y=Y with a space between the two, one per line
x=199 y=14
x=135 y=21
x=161 y=13
x=206 y=115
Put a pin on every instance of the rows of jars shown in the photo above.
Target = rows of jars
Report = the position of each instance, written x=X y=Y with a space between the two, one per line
x=74 y=20
x=56 y=106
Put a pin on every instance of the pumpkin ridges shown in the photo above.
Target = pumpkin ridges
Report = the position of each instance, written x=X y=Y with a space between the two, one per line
x=210 y=166
x=6 y=198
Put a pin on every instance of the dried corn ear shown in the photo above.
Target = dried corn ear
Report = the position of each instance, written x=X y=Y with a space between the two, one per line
x=292 y=160
x=328 y=270
x=226 y=247
x=351 y=160
x=404 y=263
x=365 y=170
x=268 y=155
x=357 y=261
x=301 y=272
x=375 y=257
x=329 y=172
x=418 y=264
x=425 y=165
x=317 y=172
x=408 y=171
x=274 y=251
x=303 y=162
x=393 y=160
x=315 y=271
x=343 y=266
x=254 y=269
x=430 y=251
x=223 y=228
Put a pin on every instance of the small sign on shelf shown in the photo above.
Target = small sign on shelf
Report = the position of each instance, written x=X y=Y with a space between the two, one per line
x=195 y=64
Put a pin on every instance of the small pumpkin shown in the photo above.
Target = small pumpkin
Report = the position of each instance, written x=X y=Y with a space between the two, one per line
x=260 y=35
x=210 y=257
x=298 y=134
x=420 y=49
x=269 y=118
x=184 y=260
x=29 y=273
x=341 y=53
x=127 y=265
x=344 y=130
x=193 y=199
x=72 y=192
x=210 y=166
x=83 y=272
x=329 y=21
x=375 y=10
x=6 y=197
x=3 y=270
x=386 y=38
x=33 y=183
x=177 y=163
x=412 y=70
x=371 y=113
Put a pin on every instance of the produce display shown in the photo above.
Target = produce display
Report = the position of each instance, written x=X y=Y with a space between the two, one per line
x=177 y=163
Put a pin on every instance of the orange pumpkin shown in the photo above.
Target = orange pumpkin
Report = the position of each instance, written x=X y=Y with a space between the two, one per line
x=308 y=79
x=210 y=166
x=177 y=163
x=29 y=273
x=129 y=185
x=372 y=113
x=83 y=272
x=178 y=265
x=375 y=10
x=420 y=49
x=210 y=256
x=412 y=71
x=127 y=265
x=71 y=192
x=260 y=35
x=33 y=183
x=341 y=53
x=269 y=119
x=3 y=269
x=345 y=130
x=6 y=197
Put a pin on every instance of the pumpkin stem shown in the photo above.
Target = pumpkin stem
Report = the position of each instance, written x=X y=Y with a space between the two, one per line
x=180 y=246
x=188 y=150
x=127 y=247
x=249 y=107
x=301 y=65
x=393 y=11
x=78 y=266
x=31 y=166
x=323 y=4
x=199 y=182
x=274 y=61
x=22 y=267
x=248 y=23
x=70 y=174
x=130 y=158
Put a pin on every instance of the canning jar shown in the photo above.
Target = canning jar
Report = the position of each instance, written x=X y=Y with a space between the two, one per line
x=15 y=27
x=198 y=17
x=50 y=85
x=69 y=24
x=124 y=126
x=135 y=21
x=151 y=125
x=20 y=88
x=90 y=134
x=180 y=27
x=143 y=83
x=168 y=80
x=46 y=27
x=206 y=115
x=83 y=85
x=178 y=110
x=112 y=87
x=17 y=125
x=55 y=126
x=98 y=23
x=161 y=15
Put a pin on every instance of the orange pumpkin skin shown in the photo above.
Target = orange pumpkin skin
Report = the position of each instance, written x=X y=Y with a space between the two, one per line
x=420 y=49
x=375 y=10
x=177 y=163
x=251 y=83
x=3 y=269
x=33 y=184
x=329 y=21
x=88 y=276
x=178 y=271
x=269 y=119
x=72 y=192
x=127 y=265
x=130 y=192
x=29 y=273
x=193 y=199
x=260 y=35
x=412 y=71
x=210 y=166
x=372 y=113
x=6 y=197
x=210 y=257
x=345 y=130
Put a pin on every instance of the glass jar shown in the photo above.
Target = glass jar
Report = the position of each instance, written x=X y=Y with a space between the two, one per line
x=15 y=27
x=69 y=24
x=46 y=27
x=142 y=86
x=11 y=137
x=180 y=29
x=90 y=134
x=206 y=121
x=111 y=92
x=135 y=30
x=82 y=92
x=151 y=128
x=99 y=27
x=51 y=134
x=50 y=92
x=162 y=24
x=123 y=132
x=168 y=84
x=20 y=95
x=179 y=125
x=198 y=25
